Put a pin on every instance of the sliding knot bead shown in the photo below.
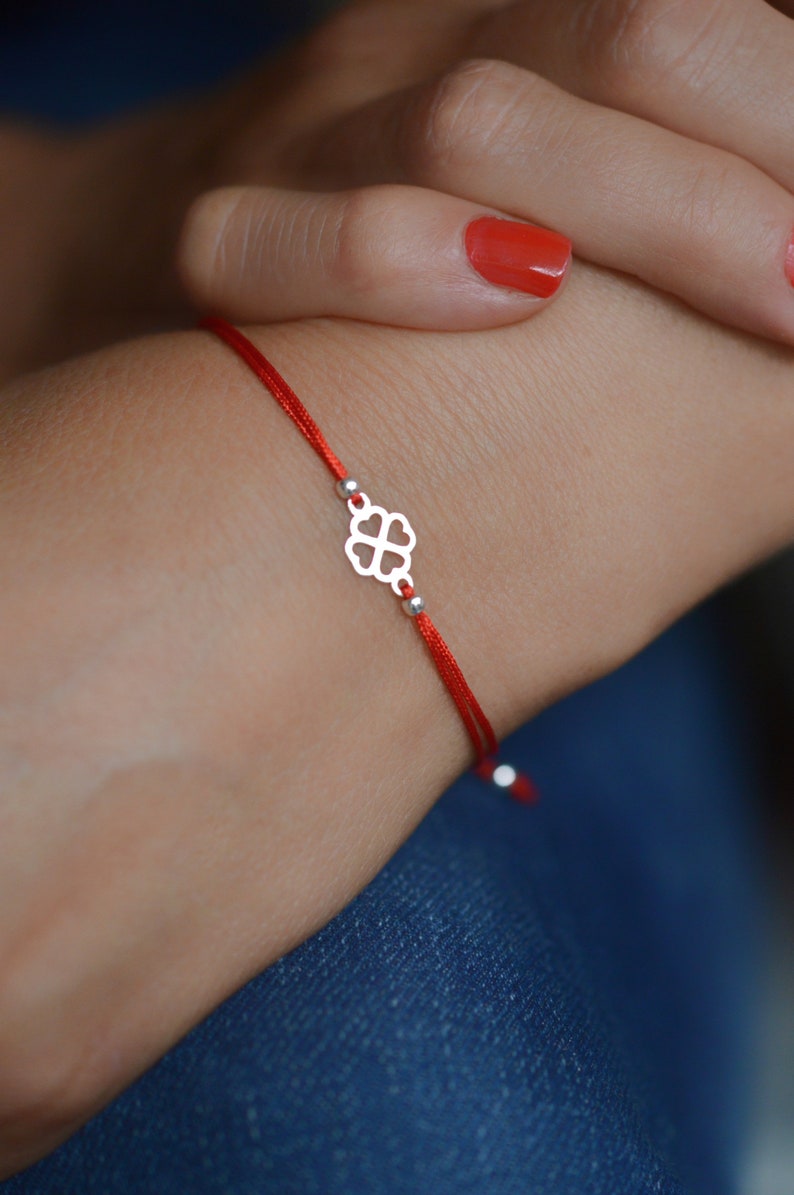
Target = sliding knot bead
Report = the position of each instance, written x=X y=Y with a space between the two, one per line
x=348 y=488
x=414 y=605
x=504 y=775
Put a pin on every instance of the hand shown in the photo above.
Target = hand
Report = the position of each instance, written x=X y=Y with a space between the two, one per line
x=204 y=712
x=694 y=198
x=647 y=144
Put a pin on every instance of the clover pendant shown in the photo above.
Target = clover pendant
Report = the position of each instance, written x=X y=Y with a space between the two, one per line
x=381 y=545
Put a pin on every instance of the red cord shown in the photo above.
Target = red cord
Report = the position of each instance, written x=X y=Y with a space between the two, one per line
x=477 y=726
x=283 y=393
x=480 y=730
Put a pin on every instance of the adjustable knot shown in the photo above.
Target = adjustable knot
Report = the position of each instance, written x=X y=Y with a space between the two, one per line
x=505 y=776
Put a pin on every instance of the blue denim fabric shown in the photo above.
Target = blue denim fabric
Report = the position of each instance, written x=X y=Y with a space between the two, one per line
x=549 y=1001
x=86 y=59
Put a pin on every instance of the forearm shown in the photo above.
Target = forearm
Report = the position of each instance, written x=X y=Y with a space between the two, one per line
x=554 y=501
x=220 y=713
x=213 y=731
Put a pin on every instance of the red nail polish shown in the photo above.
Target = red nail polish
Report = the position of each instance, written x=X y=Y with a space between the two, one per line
x=521 y=256
x=790 y=261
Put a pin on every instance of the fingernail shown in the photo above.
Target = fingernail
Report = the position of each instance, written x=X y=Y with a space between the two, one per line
x=790 y=261
x=521 y=256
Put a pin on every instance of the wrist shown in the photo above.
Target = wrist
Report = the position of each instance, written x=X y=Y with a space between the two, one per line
x=418 y=442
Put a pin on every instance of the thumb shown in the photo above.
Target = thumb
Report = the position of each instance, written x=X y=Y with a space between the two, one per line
x=390 y=254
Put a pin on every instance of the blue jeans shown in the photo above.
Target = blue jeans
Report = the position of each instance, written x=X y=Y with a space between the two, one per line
x=550 y=1001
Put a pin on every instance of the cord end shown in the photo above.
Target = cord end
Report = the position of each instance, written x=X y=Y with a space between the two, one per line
x=504 y=776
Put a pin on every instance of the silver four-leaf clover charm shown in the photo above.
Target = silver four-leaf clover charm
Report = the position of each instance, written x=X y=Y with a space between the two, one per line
x=361 y=511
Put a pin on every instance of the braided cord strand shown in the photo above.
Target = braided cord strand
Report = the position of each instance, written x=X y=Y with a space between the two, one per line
x=283 y=393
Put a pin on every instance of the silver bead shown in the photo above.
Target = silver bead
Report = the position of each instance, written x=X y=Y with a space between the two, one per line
x=414 y=605
x=348 y=488
x=504 y=775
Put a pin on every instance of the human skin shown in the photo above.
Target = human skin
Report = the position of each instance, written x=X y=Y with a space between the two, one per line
x=643 y=129
x=176 y=612
x=541 y=108
x=213 y=733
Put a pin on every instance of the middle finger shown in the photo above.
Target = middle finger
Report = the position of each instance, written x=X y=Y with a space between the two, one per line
x=718 y=71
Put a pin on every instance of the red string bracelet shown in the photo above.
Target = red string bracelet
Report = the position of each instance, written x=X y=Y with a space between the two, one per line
x=478 y=728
